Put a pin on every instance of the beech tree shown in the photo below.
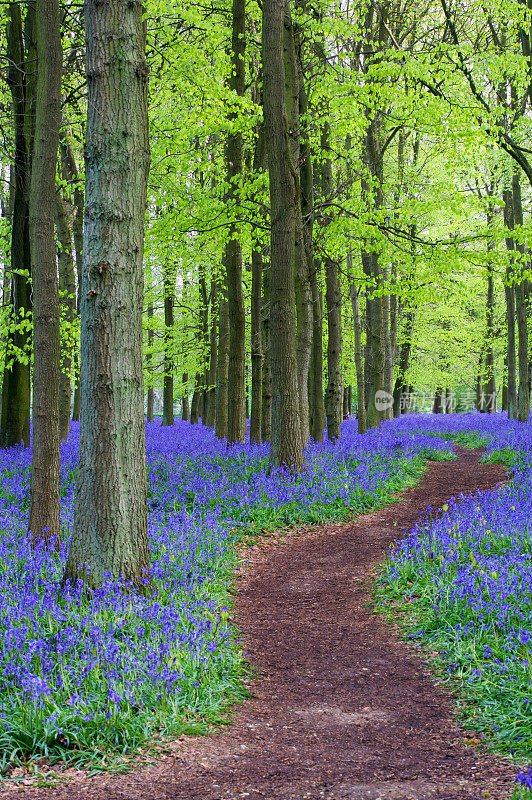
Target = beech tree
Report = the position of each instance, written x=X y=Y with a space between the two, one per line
x=44 y=500
x=286 y=439
x=110 y=525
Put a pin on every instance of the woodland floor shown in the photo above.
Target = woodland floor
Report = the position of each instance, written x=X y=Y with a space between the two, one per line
x=344 y=710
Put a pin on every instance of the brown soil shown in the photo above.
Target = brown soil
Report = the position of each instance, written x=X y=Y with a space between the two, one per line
x=344 y=710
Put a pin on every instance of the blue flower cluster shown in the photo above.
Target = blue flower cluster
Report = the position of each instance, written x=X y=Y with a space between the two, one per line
x=80 y=672
x=467 y=572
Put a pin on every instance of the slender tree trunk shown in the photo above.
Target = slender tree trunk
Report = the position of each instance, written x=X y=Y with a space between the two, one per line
x=149 y=356
x=333 y=302
x=266 y=412
x=168 y=379
x=509 y=294
x=236 y=422
x=490 y=389
x=316 y=385
x=404 y=362
x=210 y=413
x=256 y=346
x=15 y=412
x=287 y=443
x=70 y=171
x=110 y=523
x=222 y=371
x=520 y=308
x=357 y=329
x=44 y=500
x=67 y=286
x=185 y=414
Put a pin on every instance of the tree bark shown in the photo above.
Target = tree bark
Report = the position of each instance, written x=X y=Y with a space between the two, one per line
x=520 y=308
x=149 y=356
x=16 y=385
x=210 y=412
x=266 y=412
x=316 y=384
x=185 y=413
x=70 y=171
x=287 y=443
x=509 y=295
x=67 y=287
x=359 y=364
x=110 y=523
x=44 y=499
x=168 y=379
x=236 y=419
x=222 y=371
x=490 y=389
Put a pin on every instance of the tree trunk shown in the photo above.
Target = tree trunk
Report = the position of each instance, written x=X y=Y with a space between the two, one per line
x=357 y=329
x=509 y=294
x=520 y=308
x=316 y=385
x=16 y=388
x=67 y=286
x=149 y=356
x=404 y=362
x=110 y=524
x=490 y=389
x=287 y=443
x=222 y=371
x=44 y=500
x=296 y=103
x=256 y=346
x=210 y=412
x=185 y=413
x=333 y=302
x=266 y=415
x=236 y=415
x=168 y=380
x=437 y=404
x=70 y=171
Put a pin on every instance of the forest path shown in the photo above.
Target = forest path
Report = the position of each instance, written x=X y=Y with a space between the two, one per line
x=345 y=710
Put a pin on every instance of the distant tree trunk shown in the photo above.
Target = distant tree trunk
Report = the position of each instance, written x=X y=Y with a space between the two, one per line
x=357 y=329
x=149 y=357
x=316 y=385
x=70 y=172
x=185 y=414
x=404 y=362
x=287 y=443
x=67 y=286
x=44 y=499
x=210 y=411
x=509 y=294
x=437 y=406
x=169 y=322
x=195 y=408
x=15 y=412
x=110 y=523
x=222 y=371
x=236 y=420
x=266 y=411
x=333 y=302
x=256 y=346
x=520 y=308
x=490 y=389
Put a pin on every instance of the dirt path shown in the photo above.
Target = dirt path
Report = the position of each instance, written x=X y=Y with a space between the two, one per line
x=344 y=710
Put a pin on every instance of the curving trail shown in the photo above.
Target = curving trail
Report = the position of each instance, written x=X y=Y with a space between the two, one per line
x=345 y=710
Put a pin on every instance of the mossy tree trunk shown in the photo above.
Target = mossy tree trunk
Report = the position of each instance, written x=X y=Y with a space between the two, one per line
x=110 y=523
